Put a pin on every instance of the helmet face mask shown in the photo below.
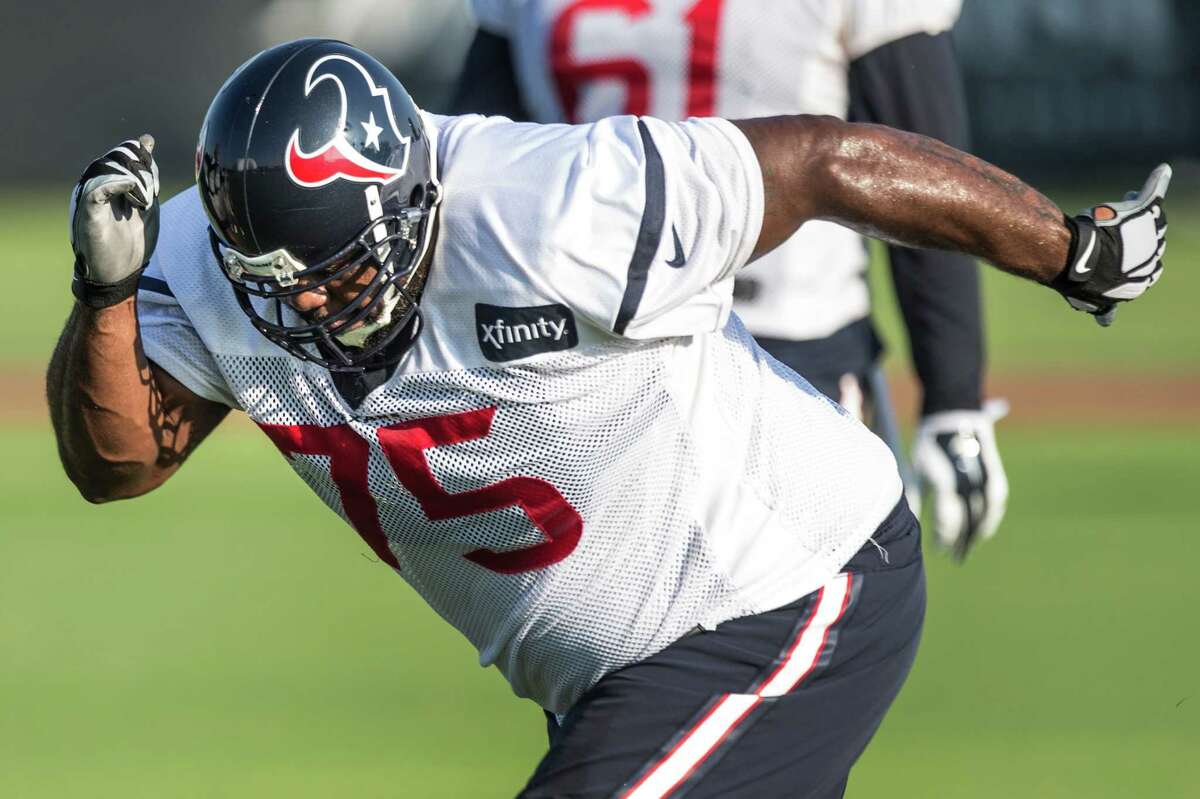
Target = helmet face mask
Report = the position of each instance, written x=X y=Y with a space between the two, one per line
x=345 y=337
x=310 y=185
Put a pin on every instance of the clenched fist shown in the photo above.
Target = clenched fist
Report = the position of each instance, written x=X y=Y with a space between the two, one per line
x=114 y=222
x=1116 y=250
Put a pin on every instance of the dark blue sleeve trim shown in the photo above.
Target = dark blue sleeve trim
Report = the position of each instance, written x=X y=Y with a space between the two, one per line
x=155 y=285
x=649 y=234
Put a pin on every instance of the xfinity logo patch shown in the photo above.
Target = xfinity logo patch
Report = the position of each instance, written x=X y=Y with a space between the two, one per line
x=506 y=334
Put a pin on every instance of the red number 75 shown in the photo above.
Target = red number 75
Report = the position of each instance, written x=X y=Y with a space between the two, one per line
x=404 y=446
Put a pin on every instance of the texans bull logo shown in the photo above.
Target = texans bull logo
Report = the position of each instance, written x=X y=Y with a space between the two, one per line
x=338 y=158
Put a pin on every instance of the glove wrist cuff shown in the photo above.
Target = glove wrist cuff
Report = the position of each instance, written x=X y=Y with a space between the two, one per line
x=992 y=411
x=102 y=295
x=1068 y=278
x=954 y=420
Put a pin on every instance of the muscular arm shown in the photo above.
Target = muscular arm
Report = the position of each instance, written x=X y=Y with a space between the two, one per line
x=904 y=189
x=123 y=425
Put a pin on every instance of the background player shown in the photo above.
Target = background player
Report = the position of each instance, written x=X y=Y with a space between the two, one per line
x=884 y=61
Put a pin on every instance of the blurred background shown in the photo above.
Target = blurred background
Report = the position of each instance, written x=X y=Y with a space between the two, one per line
x=227 y=636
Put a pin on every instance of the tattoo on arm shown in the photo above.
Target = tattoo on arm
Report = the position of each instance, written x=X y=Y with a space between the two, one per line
x=180 y=426
x=122 y=425
x=1001 y=180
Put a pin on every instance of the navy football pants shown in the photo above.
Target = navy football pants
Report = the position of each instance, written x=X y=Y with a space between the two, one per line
x=779 y=704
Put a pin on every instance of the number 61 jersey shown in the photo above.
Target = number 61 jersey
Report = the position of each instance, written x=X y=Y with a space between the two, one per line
x=582 y=60
x=584 y=456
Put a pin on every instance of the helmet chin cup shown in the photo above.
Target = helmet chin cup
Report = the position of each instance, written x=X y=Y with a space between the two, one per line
x=359 y=336
x=313 y=164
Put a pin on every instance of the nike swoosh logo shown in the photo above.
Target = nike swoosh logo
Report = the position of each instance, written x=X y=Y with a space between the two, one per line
x=1081 y=265
x=678 y=262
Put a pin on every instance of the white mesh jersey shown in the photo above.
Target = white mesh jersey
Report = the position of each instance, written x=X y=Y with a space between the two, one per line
x=570 y=497
x=582 y=61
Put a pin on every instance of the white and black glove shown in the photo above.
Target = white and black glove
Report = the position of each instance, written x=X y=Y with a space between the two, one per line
x=114 y=222
x=1116 y=250
x=957 y=466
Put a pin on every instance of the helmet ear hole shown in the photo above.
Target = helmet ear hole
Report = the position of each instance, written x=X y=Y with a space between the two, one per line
x=417 y=198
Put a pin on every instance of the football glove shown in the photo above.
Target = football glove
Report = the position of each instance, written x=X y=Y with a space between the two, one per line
x=957 y=465
x=1116 y=250
x=114 y=222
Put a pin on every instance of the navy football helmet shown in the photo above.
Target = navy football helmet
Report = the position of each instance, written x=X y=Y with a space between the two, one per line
x=313 y=161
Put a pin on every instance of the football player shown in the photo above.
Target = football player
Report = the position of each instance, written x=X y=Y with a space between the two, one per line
x=885 y=61
x=504 y=354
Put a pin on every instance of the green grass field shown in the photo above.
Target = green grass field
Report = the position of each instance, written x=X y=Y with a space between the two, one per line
x=227 y=636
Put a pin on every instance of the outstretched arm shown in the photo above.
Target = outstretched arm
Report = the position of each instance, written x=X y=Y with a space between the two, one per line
x=908 y=189
x=904 y=189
